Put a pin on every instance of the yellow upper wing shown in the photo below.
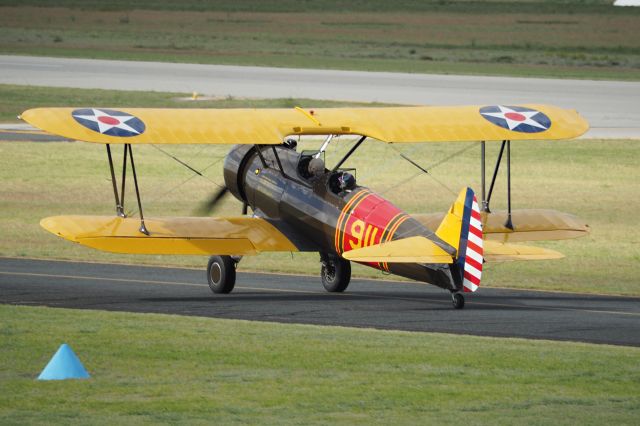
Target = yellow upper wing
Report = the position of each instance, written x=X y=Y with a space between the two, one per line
x=270 y=126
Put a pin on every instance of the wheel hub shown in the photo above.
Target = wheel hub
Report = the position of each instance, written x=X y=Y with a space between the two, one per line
x=216 y=273
x=330 y=271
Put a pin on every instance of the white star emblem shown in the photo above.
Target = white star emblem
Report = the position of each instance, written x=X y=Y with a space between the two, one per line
x=515 y=118
x=107 y=122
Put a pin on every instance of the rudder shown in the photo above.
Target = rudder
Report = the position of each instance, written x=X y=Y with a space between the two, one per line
x=462 y=229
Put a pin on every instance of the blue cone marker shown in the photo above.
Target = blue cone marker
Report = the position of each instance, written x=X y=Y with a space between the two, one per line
x=64 y=365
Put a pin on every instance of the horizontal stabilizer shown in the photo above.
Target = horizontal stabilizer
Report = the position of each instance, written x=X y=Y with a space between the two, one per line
x=529 y=225
x=498 y=252
x=407 y=250
x=171 y=235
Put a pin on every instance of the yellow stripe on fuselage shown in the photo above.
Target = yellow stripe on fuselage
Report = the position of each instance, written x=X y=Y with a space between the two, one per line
x=392 y=233
x=343 y=213
x=385 y=232
x=353 y=207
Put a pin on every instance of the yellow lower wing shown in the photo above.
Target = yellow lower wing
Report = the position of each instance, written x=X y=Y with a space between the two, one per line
x=529 y=225
x=498 y=252
x=407 y=250
x=171 y=235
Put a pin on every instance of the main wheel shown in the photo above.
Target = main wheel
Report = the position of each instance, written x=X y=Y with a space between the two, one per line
x=458 y=300
x=335 y=274
x=221 y=274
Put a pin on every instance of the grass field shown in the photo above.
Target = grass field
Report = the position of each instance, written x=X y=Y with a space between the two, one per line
x=537 y=38
x=15 y=99
x=169 y=369
x=596 y=180
x=289 y=6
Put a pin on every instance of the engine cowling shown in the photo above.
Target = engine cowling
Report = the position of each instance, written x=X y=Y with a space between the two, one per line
x=235 y=165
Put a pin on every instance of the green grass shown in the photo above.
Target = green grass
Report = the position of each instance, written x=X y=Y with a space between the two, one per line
x=166 y=369
x=15 y=99
x=596 y=180
x=287 y=6
x=548 y=39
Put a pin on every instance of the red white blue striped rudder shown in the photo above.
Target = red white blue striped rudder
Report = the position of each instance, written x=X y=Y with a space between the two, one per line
x=470 y=251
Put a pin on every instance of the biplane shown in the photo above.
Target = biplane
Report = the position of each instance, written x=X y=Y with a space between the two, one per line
x=300 y=204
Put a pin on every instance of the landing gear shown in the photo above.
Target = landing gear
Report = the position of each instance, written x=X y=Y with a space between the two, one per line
x=335 y=273
x=221 y=274
x=458 y=300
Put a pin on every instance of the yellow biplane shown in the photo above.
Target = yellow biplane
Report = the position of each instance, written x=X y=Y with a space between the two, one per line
x=300 y=204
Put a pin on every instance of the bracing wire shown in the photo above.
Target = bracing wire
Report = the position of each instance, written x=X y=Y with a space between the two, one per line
x=455 y=154
x=427 y=170
x=175 y=187
x=179 y=161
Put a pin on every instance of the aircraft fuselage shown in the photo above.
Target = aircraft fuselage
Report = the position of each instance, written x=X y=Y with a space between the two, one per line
x=330 y=220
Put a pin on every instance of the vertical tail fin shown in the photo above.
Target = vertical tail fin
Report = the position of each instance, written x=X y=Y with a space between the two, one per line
x=462 y=229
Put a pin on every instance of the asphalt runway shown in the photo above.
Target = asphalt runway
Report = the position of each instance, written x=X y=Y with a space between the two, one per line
x=301 y=299
x=26 y=133
x=611 y=107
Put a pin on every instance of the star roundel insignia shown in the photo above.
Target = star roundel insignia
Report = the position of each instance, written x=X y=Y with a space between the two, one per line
x=517 y=119
x=109 y=122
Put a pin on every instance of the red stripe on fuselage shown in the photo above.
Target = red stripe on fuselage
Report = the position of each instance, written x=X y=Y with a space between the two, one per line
x=368 y=220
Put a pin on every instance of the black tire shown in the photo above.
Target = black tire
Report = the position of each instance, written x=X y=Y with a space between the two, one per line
x=221 y=274
x=458 y=300
x=335 y=274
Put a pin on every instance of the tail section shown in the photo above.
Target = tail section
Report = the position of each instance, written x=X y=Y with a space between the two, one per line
x=462 y=229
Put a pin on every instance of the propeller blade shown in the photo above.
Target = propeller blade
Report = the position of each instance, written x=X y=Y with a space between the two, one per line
x=207 y=207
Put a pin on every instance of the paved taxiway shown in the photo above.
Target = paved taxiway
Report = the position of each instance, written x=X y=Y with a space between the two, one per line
x=611 y=107
x=26 y=133
x=300 y=299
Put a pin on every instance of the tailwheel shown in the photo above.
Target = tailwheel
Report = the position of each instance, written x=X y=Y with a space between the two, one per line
x=335 y=273
x=458 y=300
x=221 y=274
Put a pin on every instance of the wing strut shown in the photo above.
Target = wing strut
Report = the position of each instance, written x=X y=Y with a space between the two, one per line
x=324 y=146
x=259 y=151
x=124 y=179
x=143 y=228
x=485 y=202
x=282 y=172
x=120 y=199
x=493 y=179
x=119 y=209
x=348 y=154
x=275 y=154
x=509 y=224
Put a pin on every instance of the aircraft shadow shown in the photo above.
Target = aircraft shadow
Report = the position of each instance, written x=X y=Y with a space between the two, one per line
x=260 y=297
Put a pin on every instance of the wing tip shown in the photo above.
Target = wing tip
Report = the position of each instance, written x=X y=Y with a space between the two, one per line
x=53 y=224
